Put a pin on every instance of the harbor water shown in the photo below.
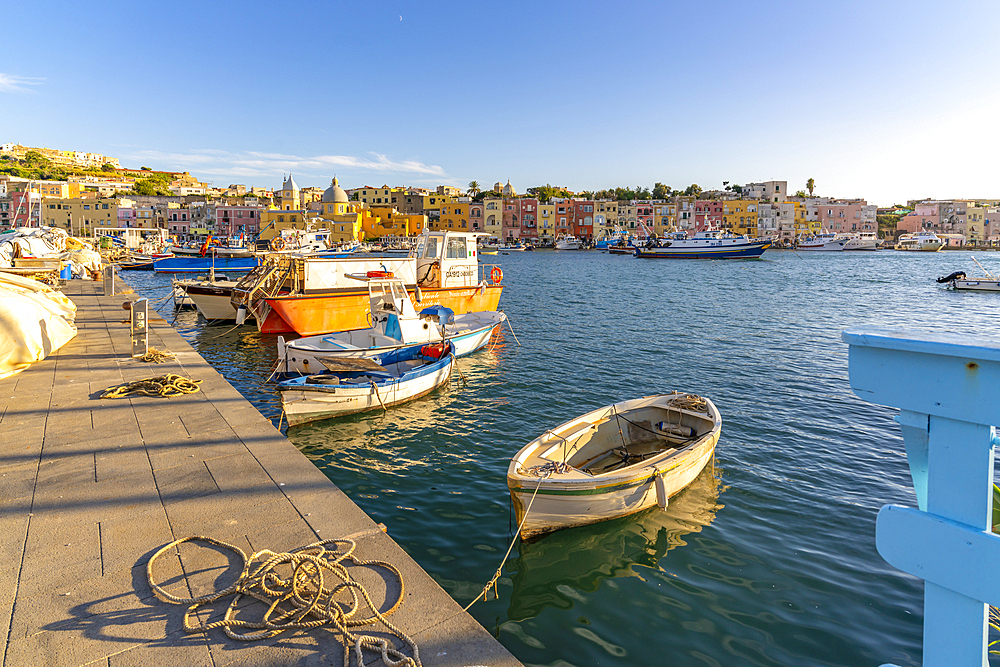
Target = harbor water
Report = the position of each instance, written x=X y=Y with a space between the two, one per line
x=767 y=559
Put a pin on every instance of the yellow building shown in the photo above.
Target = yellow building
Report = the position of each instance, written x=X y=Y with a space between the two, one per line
x=664 y=218
x=390 y=222
x=376 y=196
x=290 y=197
x=740 y=216
x=493 y=216
x=454 y=215
x=546 y=222
x=273 y=220
x=78 y=215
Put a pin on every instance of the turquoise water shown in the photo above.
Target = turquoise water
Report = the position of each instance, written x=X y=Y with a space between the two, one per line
x=768 y=559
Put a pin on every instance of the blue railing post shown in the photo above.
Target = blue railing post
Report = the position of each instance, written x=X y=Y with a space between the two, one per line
x=948 y=392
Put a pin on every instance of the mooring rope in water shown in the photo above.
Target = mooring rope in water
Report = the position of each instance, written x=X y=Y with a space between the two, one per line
x=492 y=583
x=375 y=387
x=155 y=356
x=509 y=326
x=164 y=385
x=300 y=600
x=454 y=361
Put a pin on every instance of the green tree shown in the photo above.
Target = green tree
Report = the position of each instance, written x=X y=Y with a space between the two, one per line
x=800 y=193
x=810 y=184
x=693 y=190
x=474 y=188
x=108 y=168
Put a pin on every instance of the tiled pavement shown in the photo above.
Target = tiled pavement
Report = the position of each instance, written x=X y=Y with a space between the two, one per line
x=90 y=488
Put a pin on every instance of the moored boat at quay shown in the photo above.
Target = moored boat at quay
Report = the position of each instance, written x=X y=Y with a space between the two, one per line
x=396 y=325
x=828 y=242
x=310 y=296
x=612 y=462
x=862 y=241
x=349 y=386
x=568 y=242
x=708 y=244
x=920 y=242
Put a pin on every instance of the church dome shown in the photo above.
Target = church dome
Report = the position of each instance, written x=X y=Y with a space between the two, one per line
x=335 y=193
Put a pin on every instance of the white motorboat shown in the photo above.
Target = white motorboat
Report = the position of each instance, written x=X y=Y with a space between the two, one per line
x=568 y=242
x=613 y=461
x=960 y=281
x=395 y=324
x=349 y=386
x=827 y=241
x=920 y=242
x=862 y=241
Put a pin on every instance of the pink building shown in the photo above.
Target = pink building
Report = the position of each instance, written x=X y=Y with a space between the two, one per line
x=127 y=217
x=177 y=221
x=476 y=210
x=236 y=220
x=707 y=214
x=847 y=216
x=924 y=216
x=520 y=219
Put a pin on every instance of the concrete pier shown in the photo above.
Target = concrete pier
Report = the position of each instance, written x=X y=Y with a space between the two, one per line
x=91 y=488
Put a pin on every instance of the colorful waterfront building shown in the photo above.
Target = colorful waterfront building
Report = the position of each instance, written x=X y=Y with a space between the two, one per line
x=740 y=216
x=234 y=220
x=664 y=217
x=583 y=219
x=476 y=216
x=605 y=217
x=79 y=215
x=454 y=216
x=546 y=223
x=493 y=216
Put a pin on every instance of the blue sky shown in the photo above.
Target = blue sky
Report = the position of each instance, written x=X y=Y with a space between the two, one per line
x=883 y=100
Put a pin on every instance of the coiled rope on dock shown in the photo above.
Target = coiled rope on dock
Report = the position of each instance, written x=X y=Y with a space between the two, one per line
x=305 y=588
x=164 y=385
x=155 y=356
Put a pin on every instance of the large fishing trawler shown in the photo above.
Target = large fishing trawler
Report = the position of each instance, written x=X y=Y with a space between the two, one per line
x=310 y=296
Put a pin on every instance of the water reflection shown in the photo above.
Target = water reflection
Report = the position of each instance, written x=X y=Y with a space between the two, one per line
x=548 y=571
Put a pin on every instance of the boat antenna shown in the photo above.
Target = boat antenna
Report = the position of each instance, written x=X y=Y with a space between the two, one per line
x=619 y=422
x=991 y=276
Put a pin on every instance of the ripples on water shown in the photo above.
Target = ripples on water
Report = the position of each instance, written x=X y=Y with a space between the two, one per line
x=769 y=559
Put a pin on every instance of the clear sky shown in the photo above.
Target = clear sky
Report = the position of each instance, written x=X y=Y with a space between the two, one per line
x=883 y=100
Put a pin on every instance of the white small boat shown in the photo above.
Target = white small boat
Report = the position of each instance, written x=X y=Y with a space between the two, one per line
x=349 y=386
x=960 y=281
x=395 y=324
x=920 y=242
x=862 y=241
x=213 y=299
x=613 y=461
x=182 y=298
x=825 y=242
x=568 y=242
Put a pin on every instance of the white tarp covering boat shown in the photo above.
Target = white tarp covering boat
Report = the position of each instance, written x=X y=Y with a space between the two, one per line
x=35 y=320
x=31 y=242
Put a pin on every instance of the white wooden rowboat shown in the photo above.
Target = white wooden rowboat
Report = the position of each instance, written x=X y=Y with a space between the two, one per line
x=359 y=385
x=613 y=461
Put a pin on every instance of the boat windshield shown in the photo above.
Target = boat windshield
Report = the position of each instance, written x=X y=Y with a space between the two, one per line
x=433 y=247
x=456 y=248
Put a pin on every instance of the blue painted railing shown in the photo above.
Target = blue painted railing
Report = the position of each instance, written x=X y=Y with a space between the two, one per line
x=948 y=393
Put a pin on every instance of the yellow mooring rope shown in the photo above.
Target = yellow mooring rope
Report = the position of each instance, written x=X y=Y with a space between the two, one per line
x=164 y=385
x=304 y=588
x=156 y=356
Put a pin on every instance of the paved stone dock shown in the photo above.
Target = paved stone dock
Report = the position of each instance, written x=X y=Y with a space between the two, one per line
x=91 y=488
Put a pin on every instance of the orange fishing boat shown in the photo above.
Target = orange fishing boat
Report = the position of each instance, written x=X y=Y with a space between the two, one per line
x=312 y=295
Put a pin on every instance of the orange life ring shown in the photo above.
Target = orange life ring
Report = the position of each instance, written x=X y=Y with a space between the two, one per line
x=277 y=243
x=497 y=275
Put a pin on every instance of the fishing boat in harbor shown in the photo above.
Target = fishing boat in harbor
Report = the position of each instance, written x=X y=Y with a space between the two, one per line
x=568 y=242
x=395 y=325
x=707 y=244
x=613 y=461
x=310 y=295
x=181 y=287
x=826 y=242
x=920 y=242
x=349 y=386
